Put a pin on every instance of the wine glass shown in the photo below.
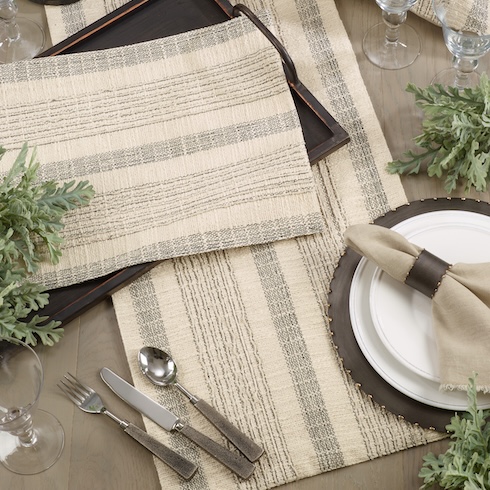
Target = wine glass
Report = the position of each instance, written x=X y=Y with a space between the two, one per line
x=467 y=37
x=30 y=441
x=392 y=44
x=20 y=38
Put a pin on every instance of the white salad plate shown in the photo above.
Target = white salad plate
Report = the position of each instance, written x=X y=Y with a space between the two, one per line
x=392 y=322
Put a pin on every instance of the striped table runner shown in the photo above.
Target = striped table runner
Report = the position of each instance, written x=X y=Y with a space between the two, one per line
x=248 y=326
x=190 y=148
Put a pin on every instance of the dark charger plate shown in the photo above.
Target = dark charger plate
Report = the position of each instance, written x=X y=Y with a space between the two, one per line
x=144 y=20
x=341 y=327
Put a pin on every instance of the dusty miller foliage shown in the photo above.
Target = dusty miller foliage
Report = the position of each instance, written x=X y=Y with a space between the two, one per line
x=30 y=226
x=455 y=142
x=466 y=463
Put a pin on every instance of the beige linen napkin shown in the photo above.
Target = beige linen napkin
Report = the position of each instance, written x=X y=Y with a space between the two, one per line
x=460 y=300
x=192 y=144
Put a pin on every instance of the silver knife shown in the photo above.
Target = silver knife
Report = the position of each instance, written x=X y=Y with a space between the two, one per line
x=170 y=422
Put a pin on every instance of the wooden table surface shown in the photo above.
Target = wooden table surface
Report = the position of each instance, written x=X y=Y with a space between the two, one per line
x=98 y=455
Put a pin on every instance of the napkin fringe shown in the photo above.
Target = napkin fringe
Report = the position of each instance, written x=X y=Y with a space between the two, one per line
x=451 y=387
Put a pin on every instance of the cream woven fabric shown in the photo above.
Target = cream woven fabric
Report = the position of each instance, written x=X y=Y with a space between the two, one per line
x=248 y=327
x=473 y=14
x=69 y=19
x=190 y=148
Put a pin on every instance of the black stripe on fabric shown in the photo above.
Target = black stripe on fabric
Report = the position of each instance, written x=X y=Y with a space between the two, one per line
x=74 y=19
x=134 y=54
x=229 y=357
x=173 y=148
x=369 y=417
x=295 y=351
x=375 y=199
x=126 y=212
x=477 y=20
x=151 y=328
x=188 y=245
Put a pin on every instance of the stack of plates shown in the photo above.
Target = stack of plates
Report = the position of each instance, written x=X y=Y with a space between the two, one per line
x=392 y=322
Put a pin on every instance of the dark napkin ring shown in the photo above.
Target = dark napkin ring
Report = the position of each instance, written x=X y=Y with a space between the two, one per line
x=426 y=273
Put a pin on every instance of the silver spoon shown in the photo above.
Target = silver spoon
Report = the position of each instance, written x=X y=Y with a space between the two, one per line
x=161 y=370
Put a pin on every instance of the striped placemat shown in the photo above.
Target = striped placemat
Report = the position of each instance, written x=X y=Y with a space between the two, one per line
x=192 y=145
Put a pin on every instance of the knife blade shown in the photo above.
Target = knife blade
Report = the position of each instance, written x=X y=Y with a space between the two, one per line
x=170 y=422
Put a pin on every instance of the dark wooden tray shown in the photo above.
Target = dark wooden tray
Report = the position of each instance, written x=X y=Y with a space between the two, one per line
x=144 y=20
x=343 y=336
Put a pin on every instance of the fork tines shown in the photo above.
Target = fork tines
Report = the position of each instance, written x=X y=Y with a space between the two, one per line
x=75 y=390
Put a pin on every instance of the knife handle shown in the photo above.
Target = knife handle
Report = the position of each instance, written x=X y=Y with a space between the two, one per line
x=242 y=442
x=178 y=463
x=236 y=463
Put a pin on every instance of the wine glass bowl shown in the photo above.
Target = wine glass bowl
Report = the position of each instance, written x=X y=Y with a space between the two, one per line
x=20 y=38
x=392 y=44
x=467 y=38
x=31 y=440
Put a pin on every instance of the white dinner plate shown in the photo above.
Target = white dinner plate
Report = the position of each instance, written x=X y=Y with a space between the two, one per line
x=392 y=322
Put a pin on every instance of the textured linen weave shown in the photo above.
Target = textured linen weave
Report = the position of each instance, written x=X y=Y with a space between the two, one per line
x=475 y=14
x=192 y=144
x=69 y=19
x=248 y=327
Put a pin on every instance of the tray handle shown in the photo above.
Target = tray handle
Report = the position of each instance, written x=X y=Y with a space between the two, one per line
x=289 y=67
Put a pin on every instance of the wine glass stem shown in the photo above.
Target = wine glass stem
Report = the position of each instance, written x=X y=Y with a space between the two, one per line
x=11 y=31
x=393 y=22
x=464 y=67
x=23 y=430
x=8 y=14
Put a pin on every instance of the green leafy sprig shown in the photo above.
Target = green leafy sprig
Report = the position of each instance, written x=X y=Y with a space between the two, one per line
x=466 y=463
x=30 y=223
x=455 y=142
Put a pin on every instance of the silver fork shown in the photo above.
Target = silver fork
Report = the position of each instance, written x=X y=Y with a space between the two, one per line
x=89 y=401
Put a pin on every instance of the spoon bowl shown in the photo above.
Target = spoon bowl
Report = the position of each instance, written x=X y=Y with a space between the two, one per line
x=157 y=366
